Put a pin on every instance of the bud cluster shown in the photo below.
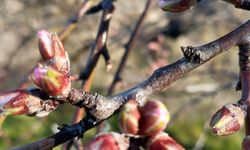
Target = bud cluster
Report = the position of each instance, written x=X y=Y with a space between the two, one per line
x=52 y=76
x=146 y=122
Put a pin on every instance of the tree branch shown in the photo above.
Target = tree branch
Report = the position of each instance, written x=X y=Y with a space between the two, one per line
x=100 y=46
x=100 y=108
x=128 y=46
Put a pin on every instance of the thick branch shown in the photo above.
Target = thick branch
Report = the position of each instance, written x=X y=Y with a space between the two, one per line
x=101 y=108
x=164 y=76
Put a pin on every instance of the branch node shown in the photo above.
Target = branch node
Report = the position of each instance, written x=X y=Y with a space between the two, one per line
x=193 y=54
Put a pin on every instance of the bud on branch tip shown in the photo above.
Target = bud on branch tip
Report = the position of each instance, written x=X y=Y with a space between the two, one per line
x=228 y=120
x=45 y=44
x=20 y=102
x=52 y=51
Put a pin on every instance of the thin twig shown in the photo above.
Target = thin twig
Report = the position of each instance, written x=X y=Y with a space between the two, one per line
x=128 y=47
x=72 y=23
x=100 y=46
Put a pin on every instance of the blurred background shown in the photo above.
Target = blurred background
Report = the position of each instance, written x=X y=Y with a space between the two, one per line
x=191 y=100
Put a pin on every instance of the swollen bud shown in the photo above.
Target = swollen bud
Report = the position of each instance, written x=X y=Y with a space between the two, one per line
x=108 y=141
x=51 y=81
x=154 y=118
x=21 y=102
x=177 y=5
x=229 y=119
x=129 y=118
x=163 y=141
x=52 y=51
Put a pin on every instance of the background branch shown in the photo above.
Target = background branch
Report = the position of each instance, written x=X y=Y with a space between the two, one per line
x=100 y=46
x=128 y=47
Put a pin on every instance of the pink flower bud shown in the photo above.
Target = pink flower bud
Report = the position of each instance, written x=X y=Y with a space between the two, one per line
x=108 y=141
x=246 y=143
x=129 y=118
x=21 y=102
x=229 y=119
x=52 y=51
x=45 y=44
x=154 y=118
x=176 y=5
x=51 y=81
x=163 y=141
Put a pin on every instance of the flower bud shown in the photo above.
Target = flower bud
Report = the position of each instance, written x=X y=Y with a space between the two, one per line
x=52 y=51
x=228 y=120
x=108 y=141
x=163 y=141
x=246 y=143
x=176 y=5
x=154 y=118
x=21 y=102
x=51 y=81
x=129 y=118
